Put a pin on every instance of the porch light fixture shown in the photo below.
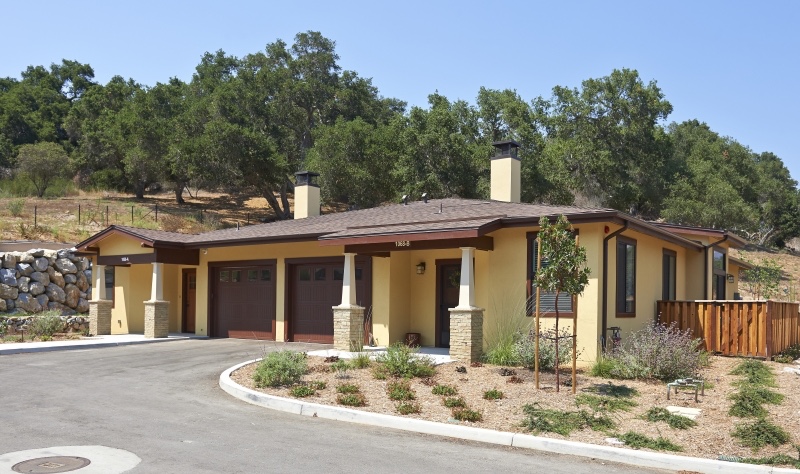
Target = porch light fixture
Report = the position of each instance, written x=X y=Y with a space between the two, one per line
x=205 y=251
x=730 y=278
x=420 y=268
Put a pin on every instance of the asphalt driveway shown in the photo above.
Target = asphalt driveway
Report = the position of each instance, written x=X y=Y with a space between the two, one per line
x=162 y=403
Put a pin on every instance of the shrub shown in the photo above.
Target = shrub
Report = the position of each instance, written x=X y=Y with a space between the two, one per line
x=748 y=400
x=754 y=372
x=760 y=433
x=525 y=349
x=638 y=440
x=656 y=414
x=502 y=352
x=611 y=390
x=792 y=352
x=492 y=394
x=45 y=325
x=347 y=388
x=605 y=366
x=352 y=400
x=3 y=326
x=542 y=420
x=402 y=361
x=407 y=408
x=317 y=384
x=361 y=360
x=465 y=414
x=301 y=391
x=655 y=351
x=609 y=404
x=400 y=390
x=341 y=367
x=280 y=368
x=504 y=330
x=15 y=207
x=454 y=402
x=445 y=390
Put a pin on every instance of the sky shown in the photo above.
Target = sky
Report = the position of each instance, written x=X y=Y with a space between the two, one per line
x=732 y=64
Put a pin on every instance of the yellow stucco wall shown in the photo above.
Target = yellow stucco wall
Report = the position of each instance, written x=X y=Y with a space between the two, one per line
x=505 y=180
x=131 y=289
x=122 y=245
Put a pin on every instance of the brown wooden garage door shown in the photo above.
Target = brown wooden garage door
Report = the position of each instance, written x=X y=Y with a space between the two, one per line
x=316 y=288
x=244 y=301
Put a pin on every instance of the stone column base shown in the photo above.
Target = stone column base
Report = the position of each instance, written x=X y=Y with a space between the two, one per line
x=156 y=319
x=348 y=328
x=100 y=317
x=466 y=334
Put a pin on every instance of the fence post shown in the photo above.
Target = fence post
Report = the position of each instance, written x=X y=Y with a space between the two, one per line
x=106 y=216
x=156 y=212
x=35 y=225
x=768 y=331
x=131 y=215
x=79 y=214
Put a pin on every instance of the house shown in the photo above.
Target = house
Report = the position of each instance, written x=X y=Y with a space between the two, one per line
x=447 y=269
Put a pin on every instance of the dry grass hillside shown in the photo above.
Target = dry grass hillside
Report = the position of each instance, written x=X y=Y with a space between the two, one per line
x=74 y=218
x=789 y=261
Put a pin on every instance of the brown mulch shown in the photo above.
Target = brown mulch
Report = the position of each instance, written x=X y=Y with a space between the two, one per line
x=709 y=439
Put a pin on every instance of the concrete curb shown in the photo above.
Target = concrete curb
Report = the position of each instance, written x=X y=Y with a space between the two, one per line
x=606 y=453
x=92 y=345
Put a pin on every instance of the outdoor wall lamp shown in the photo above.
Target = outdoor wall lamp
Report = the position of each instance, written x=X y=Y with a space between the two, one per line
x=205 y=251
x=420 y=268
x=730 y=278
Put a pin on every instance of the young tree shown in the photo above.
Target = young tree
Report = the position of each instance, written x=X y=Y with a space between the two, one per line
x=565 y=272
x=42 y=163
x=763 y=279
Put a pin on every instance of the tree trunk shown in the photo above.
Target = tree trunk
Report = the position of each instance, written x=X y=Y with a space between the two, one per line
x=179 y=187
x=558 y=376
x=280 y=214
x=138 y=189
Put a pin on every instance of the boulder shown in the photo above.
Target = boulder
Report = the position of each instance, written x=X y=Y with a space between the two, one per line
x=70 y=278
x=36 y=253
x=83 y=306
x=55 y=293
x=3 y=307
x=25 y=257
x=82 y=282
x=65 y=265
x=36 y=288
x=73 y=294
x=10 y=305
x=8 y=276
x=28 y=303
x=43 y=300
x=22 y=284
x=53 y=306
x=8 y=292
x=56 y=277
x=82 y=264
x=25 y=269
x=40 y=264
x=9 y=260
x=88 y=275
x=42 y=278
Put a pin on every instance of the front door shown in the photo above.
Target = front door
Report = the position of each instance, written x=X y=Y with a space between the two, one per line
x=448 y=286
x=189 y=299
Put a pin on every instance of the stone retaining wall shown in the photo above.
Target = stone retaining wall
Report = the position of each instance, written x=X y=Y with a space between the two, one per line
x=19 y=324
x=40 y=280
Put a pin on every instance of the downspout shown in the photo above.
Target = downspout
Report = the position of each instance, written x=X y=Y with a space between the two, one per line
x=605 y=280
x=705 y=265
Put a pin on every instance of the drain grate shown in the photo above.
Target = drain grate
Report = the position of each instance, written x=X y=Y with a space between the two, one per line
x=52 y=464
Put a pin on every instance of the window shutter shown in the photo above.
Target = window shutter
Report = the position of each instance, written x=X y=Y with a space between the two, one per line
x=546 y=298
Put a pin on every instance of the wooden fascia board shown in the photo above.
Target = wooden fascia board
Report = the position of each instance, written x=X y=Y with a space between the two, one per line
x=395 y=237
x=383 y=248
x=252 y=241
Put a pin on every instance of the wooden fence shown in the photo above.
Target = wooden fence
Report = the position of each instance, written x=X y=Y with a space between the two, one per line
x=737 y=328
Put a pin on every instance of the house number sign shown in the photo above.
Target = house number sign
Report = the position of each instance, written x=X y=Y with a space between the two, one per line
x=402 y=243
x=125 y=259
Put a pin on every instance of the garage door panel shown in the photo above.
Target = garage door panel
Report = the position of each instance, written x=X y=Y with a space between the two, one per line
x=245 y=302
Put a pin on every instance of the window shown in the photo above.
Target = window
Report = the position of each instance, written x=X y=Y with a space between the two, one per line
x=668 y=275
x=109 y=275
x=224 y=275
x=305 y=274
x=626 y=277
x=266 y=275
x=566 y=303
x=252 y=275
x=236 y=276
x=320 y=274
x=719 y=277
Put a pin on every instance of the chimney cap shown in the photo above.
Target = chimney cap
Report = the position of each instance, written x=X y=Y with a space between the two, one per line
x=305 y=178
x=505 y=149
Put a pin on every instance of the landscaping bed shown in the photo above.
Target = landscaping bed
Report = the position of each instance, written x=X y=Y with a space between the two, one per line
x=710 y=438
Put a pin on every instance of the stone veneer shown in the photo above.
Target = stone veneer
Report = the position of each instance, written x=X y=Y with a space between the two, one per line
x=466 y=334
x=100 y=317
x=348 y=327
x=156 y=319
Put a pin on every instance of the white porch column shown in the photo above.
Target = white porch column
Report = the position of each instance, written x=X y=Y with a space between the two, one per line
x=349 y=281
x=157 y=284
x=466 y=320
x=99 y=306
x=466 y=294
x=348 y=318
x=99 y=290
x=156 y=310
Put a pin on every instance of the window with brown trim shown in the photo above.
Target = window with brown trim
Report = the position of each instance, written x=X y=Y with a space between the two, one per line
x=668 y=275
x=109 y=276
x=720 y=270
x=566 y=303
x=626 y=277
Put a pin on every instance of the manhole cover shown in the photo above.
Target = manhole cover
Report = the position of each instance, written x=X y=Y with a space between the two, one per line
x=51 y=464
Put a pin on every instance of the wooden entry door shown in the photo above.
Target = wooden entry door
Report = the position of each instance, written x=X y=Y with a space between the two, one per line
x=448 y=284
x=189 y=300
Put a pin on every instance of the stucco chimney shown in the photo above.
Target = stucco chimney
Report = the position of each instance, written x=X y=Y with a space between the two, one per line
x=506 y=181
x=306 y=195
